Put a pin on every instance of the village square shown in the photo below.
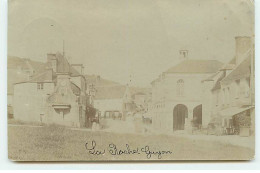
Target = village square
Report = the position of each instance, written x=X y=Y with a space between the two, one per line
x=128 y=80
x=207 y=99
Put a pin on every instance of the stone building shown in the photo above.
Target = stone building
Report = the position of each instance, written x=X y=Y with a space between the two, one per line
x=139 y=99
x=232 y=88
x=113 y=100
x=96 y=81
x=18 y=70
x=177 y=94
x=56 y=94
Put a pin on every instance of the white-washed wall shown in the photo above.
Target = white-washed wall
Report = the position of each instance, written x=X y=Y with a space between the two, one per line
x=165 y=98
x=30 y=102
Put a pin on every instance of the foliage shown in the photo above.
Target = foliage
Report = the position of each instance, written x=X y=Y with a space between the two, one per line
x=242 y=120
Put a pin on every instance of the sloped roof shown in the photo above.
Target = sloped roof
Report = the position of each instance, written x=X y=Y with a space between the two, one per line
x=211 y=77
x=75 y=89
x=196 y=66
x=63 y=66
x=99 y=81
x=228 y=67
x=139 y=90
x=232 y=61
x=217 y=84
x=14 y=73
x=118 y=91
x=45 y=73
x=242 y=70
x=110 y=92
x=45 y=76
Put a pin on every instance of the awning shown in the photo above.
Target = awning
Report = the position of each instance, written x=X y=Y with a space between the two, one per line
x=229 y=112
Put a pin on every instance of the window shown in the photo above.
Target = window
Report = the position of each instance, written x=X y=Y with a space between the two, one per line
x=40 y=86
x=180 y=87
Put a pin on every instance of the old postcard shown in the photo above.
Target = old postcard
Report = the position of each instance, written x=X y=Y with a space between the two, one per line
x=131 y=80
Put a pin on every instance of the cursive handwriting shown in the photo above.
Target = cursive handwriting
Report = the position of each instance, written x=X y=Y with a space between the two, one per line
x=149 y=153
x=92 y=149
x=127 y=150
x=114 y=151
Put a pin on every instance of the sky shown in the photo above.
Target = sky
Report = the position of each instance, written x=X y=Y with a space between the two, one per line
x=128 y=41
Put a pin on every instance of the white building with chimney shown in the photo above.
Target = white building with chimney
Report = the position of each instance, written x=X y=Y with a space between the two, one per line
x=177 y=94
x=231 y=89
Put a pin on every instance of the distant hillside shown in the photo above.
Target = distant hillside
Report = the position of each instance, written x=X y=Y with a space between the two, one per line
x=14 y=62
x=17 y=70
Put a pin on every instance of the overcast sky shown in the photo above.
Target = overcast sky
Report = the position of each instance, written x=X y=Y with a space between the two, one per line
x=128 y=39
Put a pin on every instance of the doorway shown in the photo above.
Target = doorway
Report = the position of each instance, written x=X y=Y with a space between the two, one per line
x=197 y=116
x=180 y=112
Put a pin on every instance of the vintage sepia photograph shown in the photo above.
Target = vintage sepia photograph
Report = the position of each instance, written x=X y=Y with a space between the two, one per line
x=131 y=80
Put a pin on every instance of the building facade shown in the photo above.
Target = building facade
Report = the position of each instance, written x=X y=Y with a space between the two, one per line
x=113 y=100
x=54 y=95
x=177 y=95
x=18 y=70
x=232 y=88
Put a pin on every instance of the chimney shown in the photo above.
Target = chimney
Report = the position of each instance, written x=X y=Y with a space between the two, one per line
x=79 y=68
x=183 y=54
x=51 y=58
x=243 y=45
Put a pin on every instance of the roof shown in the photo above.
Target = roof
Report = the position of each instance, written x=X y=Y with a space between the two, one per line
x=228 y=66
x=110 y=92
x=217 y=84
x=16 y=68
x=118 y=91
x=211 y=77
x=140 y=91
x=196 y=66
x=99 y=81
x=232 y=61
x=45 y=76
x=45 y=73
x=242 y=70
x=229 y=112
x=63 y=66
x=75 y=89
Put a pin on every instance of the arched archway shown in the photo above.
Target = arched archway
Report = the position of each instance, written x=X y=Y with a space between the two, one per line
x=180 y=112
x=197 y=116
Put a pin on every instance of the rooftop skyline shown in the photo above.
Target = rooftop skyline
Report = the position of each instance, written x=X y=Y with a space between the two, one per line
x=128 y=40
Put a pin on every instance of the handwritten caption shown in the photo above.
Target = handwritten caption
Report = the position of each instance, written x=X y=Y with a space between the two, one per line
x=112 y=149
